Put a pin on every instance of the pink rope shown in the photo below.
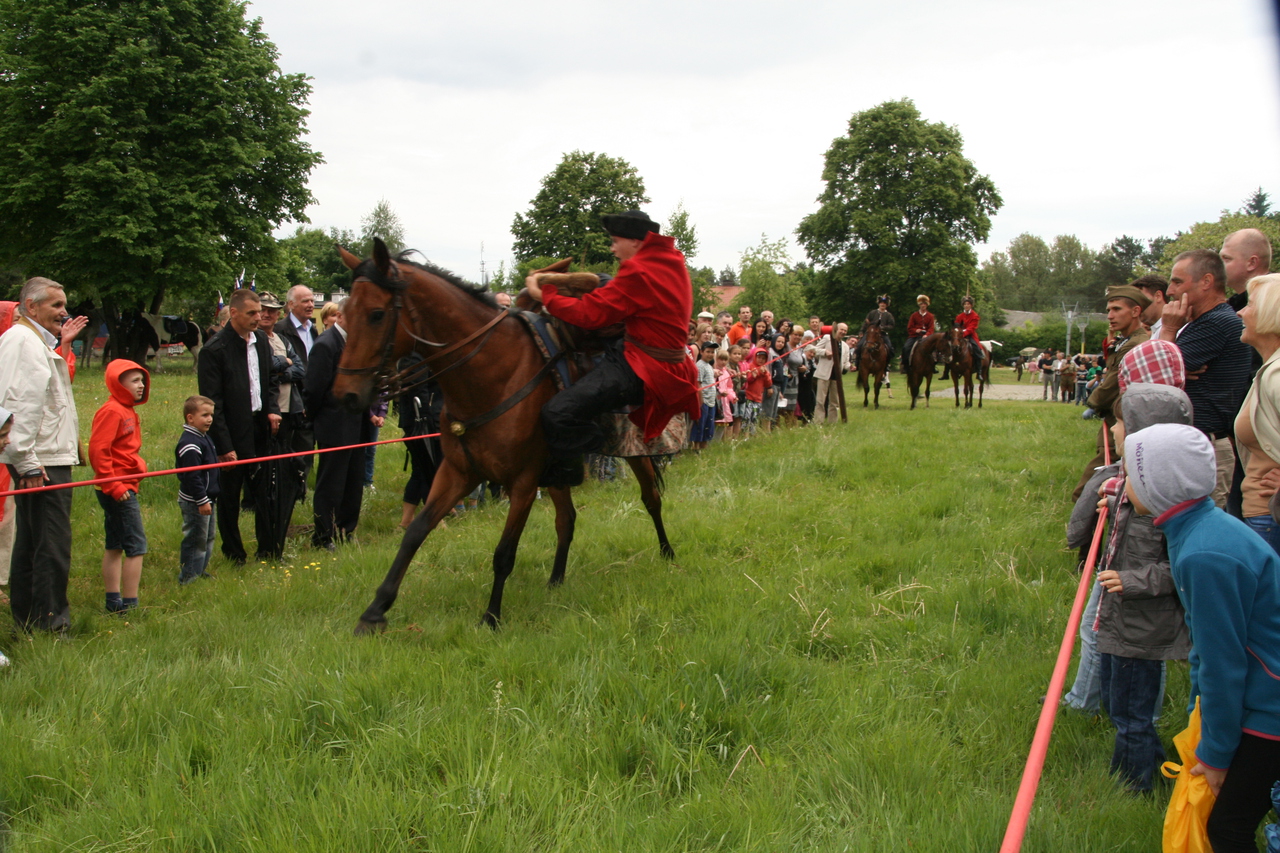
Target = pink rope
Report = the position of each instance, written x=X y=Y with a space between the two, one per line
x=212 y=465
x=1017 y=827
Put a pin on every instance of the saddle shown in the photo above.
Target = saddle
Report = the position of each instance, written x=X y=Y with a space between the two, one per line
x=581 y=348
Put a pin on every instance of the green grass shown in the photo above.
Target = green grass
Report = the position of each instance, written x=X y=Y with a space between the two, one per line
x=846 y=655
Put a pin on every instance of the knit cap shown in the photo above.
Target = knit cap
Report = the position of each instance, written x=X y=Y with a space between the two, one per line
x=1169 y=463
x=1145 y=405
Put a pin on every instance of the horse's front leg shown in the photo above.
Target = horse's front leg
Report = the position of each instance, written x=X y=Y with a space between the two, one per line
x=447 y=489
x=504 y=556
x=566 y=519
x=651 y=496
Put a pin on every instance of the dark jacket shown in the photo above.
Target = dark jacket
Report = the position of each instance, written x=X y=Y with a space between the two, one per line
x=196 y=448
x=289 y=332
x=333 y=425
x=224 y=378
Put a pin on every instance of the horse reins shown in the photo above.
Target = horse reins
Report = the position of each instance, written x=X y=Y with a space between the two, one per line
x=396 y=286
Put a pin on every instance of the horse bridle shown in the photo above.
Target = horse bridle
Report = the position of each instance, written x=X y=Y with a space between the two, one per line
x=394 y=383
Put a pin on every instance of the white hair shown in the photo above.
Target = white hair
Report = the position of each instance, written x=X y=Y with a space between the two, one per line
x=37 y=290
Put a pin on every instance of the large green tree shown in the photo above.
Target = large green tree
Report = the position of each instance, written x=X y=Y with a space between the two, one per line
x=902 y=205
x=145 y=147
x=563 y=220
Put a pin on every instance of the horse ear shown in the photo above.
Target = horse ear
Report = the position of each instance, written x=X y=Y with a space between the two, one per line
x=350 y=260
x=381 y=257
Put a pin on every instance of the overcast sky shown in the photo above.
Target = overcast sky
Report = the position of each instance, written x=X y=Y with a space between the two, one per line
x=1093 y=118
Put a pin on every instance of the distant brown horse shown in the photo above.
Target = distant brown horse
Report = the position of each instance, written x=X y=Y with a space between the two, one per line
x=958 y=354
x=494 y=381
x=924 y=359
x=872 y=363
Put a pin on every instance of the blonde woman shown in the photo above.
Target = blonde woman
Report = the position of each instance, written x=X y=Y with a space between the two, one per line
x=328 y=315
x=1257 y=425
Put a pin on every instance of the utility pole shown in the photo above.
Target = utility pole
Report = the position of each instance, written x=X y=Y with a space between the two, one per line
x=1070 y=315
x=484 y=276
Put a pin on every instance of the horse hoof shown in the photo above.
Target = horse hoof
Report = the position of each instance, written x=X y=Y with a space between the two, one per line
x=490 y=621
x=553 y=582
x=365 y=629
x=667 y=551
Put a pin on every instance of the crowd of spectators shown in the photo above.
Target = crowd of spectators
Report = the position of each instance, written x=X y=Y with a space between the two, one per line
x=1191 y=565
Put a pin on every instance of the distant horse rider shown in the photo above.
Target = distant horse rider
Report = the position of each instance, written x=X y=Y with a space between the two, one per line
x=652 y=295
x=881 y=317
x=920 y=324
x=967 y=319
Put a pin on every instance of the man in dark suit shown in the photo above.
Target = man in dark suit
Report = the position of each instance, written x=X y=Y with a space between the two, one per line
x=235 y=372
x=299 y=330
x=340 y=474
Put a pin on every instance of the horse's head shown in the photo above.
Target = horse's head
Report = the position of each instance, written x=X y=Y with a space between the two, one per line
x=872 y=339
x=948 y=350
x=375 y=339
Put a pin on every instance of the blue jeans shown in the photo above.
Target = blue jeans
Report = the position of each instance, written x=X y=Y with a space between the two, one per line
x=370 y=453
x=197 y=540
x=1086 y=693
x=1129 y=688
x=1266 y=527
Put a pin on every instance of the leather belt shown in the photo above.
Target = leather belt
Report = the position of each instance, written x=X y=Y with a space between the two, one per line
x=669 y=355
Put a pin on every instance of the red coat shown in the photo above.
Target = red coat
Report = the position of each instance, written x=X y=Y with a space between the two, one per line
x=969 y=322
x=919 y=325
x=653 y=296
x=116 y=440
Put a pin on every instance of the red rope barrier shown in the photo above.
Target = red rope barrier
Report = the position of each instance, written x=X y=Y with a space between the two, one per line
x=1017 y=827
x=167 y=472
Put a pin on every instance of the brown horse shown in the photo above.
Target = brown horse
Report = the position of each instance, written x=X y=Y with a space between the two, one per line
x=494 y=382
x=958 y=355
x=924 y=359
x=872 y=363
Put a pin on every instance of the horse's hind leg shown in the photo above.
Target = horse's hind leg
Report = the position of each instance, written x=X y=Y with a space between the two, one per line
x=504 y=556
x=448 y=487
x=651 y=494
x=566 y=518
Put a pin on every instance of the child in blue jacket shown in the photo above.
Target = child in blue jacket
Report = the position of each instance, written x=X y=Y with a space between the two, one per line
x=1228 y=578
x=197 y=490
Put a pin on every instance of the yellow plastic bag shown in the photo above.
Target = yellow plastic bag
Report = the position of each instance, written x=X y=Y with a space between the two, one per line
x=1192 y=799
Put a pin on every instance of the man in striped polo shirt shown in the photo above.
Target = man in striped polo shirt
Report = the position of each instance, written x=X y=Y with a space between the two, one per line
x=1207 y=330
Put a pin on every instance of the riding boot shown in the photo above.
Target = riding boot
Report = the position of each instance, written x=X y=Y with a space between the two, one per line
x=562 y=471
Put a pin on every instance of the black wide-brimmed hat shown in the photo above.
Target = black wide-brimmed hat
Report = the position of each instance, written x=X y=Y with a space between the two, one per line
x=633 y=224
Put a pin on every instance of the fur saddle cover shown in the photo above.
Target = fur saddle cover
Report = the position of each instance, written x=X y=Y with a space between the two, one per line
x=581 y=346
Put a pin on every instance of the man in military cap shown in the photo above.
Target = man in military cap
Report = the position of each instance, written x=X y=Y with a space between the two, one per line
x=652 y=369
x=1125 y=305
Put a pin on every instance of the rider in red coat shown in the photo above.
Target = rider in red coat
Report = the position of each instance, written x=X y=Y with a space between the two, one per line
x=968 y=320
x=920 y=324
x=652 y=296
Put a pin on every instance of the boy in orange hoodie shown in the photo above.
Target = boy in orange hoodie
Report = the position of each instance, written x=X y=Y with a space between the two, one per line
x=114 y=446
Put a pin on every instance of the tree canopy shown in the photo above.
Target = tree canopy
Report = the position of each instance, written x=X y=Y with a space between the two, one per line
x=145 y=146
x=1209 y=235
x=563 y=220
x=902 y=205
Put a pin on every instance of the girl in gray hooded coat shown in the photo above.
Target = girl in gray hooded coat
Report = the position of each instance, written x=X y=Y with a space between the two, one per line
x=1140 y=621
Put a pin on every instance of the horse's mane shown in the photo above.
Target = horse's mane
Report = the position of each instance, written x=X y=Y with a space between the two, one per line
x=368 y=269
x=479 y=291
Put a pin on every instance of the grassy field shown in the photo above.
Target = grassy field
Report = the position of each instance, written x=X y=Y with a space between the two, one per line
x=846 y=655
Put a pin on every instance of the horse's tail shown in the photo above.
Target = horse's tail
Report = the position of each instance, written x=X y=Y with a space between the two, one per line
x=658 y=464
